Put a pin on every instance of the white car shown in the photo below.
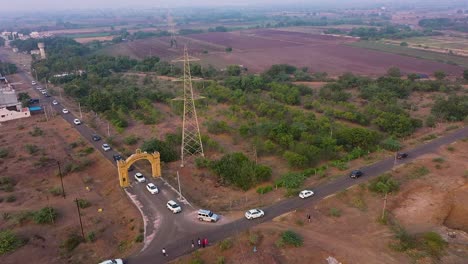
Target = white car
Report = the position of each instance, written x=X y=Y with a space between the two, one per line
x=112 y=261
x=33 y=83
x=106 y=147
x=254 y=213
x=306 y=193
x=174 y=207
x=65 y=111
x=140 y=178
x=43 y=91
x=153 y=189
x=54 y=102
x=76 y=121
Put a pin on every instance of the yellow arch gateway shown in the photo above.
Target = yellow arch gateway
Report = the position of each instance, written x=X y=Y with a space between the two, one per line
x=123 y=165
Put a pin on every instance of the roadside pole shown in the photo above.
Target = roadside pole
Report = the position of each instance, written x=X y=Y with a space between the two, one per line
x=79 y=216
x=178 y=181
x=108 y=129
x=45 y=112
x=81 y=115
x=61 y=179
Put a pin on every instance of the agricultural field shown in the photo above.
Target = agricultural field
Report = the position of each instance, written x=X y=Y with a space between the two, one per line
x=257 y=50
x=442 y=44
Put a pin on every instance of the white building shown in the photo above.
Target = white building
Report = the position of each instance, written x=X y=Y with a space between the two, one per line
x=10 y=108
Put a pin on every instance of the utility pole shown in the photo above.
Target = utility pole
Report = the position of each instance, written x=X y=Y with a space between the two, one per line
x=45 y=112
x=108 y=129
x=79 y=216
x=384 y=206
x=79 y=106
x=61 y=179
x=178 y=181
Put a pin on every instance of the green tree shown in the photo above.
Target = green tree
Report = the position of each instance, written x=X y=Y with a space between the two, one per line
x=440 y=75
x=233 y=70
x=454 y=108
x=465 y=75
x=166 y=151
x=384 y=184
x=352 y=137
x=394 y=72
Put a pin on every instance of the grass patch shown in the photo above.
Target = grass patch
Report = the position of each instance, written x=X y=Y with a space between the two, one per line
x=139 y=238
x=46 y=215
x=7 y=184
x=225 y=244
x=452 y=127
x=4 y=153
x=55 y=191
x=451 y=148
x=418 y=172
x=73 y=241
x=291 y=238
x=36 y=132
x=31 y=149
x=438 y=160
x=335 y=212
x=10 y=198
x=384 y=184
x=429 y=137
x=265 y=189
x=9 y=242
x=131 y=140
x=82 y=203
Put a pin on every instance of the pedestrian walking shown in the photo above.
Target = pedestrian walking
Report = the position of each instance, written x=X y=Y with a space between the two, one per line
x=193 y=244
x=199 y=242
x=308 y=217
x=164 y=252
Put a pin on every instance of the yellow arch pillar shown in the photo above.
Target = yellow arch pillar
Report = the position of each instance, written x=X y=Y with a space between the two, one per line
x=123 y=165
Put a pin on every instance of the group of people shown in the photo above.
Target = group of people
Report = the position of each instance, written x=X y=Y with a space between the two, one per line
x=202 y=243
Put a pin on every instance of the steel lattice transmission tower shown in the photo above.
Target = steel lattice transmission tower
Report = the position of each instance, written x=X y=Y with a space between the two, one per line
x=191 y=139
x=170 y=22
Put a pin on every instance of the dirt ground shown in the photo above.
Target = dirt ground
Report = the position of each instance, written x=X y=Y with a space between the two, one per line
x=432 y=202
x=35 y=175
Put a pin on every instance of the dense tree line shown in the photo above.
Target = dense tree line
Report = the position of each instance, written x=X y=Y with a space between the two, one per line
x=389 y=31
x=459 y=24
x=7 y=68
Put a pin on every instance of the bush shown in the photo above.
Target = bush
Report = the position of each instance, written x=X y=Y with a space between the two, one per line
x=265 y=189
x=4 y=152
x=221 y=260
x=434 y=244
x=73 y=241
x=291 y=180
x=82 y=203
x=131 y=140
x=225 y=244
x=91 y=236
x=335 y=212
x=56 y=191
x=384 y=184
x=31 y=149
x=7 y=184
x=139 y=238
x=46 y=215
x=201 y=162
x=217 y=127
x=9 y=242
x=166 y=150
x=405 y=241
x=36 y=132
x=291 y=238
x=10 y=198
x=391 y=144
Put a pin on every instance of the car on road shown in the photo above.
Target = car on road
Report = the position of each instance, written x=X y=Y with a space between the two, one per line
x=254 y=213
x=44 y=91
x=54 y=102
x=46 y=95
x=153 y=189
x=112 y=261
x=33 y=101
x=76 y=121
x=356 y=174
x=33 y=83
x=106 y=147
x=95 y=137
x=174 y=207
x=117 y=157
x=306 y=193
x=65 y=111
x=402 y=155
x=207 y=215
x=139 y=177
x=38 y=88
x=131 y=168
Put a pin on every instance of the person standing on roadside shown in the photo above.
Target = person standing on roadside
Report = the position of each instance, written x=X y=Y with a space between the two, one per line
x=193 y=244
x=164 y=252
x=199 y=242
x=308 y=217
x=205 y=241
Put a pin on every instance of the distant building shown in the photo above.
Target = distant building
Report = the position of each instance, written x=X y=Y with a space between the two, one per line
x=35 y=52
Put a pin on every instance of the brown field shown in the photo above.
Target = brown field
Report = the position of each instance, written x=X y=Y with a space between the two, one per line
x=259 y=49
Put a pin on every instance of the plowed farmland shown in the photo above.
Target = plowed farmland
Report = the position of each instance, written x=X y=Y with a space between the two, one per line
x=259 y=49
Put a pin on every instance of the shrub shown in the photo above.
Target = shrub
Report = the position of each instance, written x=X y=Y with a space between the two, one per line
x=221 y=260
x=384 y=184
x=9 y=242
x=139 y=238
x=254 y=239
x=434 y=244
x=439 y=160
x=418 y=172
x=31 y=149
x=4 y=152
x=290 y=237
x=291 y=180
x=265 y=189
x=225 y=244
x=36 y=132
x=46 y=215
x=405 y=241
x=72 y=242
x=56 y=191
x=82 y=203
x=10 y=198
x=131 y=140
x=391 y=144
x=217 y=127
x=201 y=162
x=335 y=212
x=91 y=236
x=166 y=150
x=7 y=184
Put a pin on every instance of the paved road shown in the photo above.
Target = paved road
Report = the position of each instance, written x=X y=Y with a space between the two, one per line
x=175 y=232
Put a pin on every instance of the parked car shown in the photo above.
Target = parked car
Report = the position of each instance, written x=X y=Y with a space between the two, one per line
x=207 y=215
x=65 y=111
x=356 y=174
x=33 y=101
x=38 y=88
x=254 y=213
x=139 y=177
x=46 y=95
x=112 y=261
x=106 y=147
x=54 y=102
x=77 y=121
x=306 y=193
x=174 y=207
x=402 y=155
x=33 y=83
x=44 y=91
x=117 y=157
x=96 y=137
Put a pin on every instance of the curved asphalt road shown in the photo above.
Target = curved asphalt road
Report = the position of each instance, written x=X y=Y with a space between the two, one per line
x=175 y=232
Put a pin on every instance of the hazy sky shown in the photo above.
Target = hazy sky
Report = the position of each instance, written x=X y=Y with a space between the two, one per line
x=33 y=5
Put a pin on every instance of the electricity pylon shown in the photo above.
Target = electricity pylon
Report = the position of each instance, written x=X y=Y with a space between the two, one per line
x=170 y=23
x=191 y=139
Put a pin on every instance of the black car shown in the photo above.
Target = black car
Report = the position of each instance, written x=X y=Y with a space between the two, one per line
x=117 y=157
x=131 y=168
x=402 y=155
x=33 y=101
x=46 y=95
x=355 y=174
x=96 y=137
